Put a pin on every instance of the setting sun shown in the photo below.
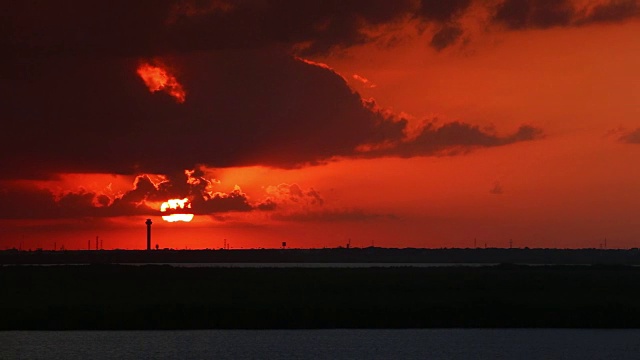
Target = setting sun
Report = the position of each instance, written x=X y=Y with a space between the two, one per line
x=176 y=204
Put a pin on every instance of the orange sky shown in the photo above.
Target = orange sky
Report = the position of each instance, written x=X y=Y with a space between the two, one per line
x=572 y=185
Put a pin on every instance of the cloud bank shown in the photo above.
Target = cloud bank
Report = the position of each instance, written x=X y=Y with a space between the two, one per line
x=243 y=107
x=143 y=199
x=73 y=100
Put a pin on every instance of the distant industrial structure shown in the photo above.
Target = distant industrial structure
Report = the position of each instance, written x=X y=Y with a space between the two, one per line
x=148 y=222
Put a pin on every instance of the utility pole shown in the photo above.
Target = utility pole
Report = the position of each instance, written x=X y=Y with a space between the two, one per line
x=510 y=243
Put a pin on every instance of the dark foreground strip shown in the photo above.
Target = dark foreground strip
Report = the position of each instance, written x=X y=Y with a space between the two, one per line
x=164 y=297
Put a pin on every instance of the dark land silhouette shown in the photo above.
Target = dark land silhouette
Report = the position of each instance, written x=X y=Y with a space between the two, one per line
x=329 y=255
x=105 y=296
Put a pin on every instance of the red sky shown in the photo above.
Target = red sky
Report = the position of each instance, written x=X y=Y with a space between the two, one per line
x=396 y=123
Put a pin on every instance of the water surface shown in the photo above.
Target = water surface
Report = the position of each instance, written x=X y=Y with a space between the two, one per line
x=324 y=344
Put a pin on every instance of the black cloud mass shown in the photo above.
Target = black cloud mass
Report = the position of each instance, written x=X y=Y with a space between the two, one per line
x=72 y=101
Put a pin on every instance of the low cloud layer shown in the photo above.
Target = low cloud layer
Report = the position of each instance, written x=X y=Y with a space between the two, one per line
x=452 y=139
x=143 y=199
x=331 y=215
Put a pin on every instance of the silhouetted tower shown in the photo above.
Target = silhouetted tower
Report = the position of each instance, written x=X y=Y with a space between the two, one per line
x=148 y=222
x=96 y=243
x=510 y=243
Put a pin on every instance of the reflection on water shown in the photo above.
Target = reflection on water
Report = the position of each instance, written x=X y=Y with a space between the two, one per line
x=324 y=344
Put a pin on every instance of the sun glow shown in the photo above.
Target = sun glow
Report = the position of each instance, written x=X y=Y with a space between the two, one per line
x=158 y=78
x=176 y=204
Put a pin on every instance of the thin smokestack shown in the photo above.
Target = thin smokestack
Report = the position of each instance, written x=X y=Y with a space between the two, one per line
x=148 y=222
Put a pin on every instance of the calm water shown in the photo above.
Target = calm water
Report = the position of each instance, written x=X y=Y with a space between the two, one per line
x=287 y=265
x=324 y=344
x=318 y=265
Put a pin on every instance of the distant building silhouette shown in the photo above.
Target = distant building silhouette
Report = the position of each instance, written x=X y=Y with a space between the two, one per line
x=148 y=222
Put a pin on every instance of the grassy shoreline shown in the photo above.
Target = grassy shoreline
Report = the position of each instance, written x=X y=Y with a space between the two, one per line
x=163 y=297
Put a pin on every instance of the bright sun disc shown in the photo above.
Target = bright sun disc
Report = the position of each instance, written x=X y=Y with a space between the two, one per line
x=178 y=217
x=175 y=204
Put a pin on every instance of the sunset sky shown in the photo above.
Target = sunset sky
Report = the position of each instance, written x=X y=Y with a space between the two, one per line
x=406 y=123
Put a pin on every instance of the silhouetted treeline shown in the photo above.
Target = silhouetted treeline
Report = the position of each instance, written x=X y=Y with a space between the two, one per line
x=339 y=255
x=165 y=297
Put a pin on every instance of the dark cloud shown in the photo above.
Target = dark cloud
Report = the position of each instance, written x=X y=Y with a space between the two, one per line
x=69 y=108
x=522 y=14
x=451 y=139
x=33 y=203
x=34 y=31
x=613 y=11
x=542 y=14
x=297 y=204
x=155 y=27
x=292 y=193
x=442 y=11
x=631 y=137
x=496 y=189
x=293 y=202
x=445 y=37
x=241 y=108
x=143 y=199
x=236 y=200
x=161 y=27
x=331 y=215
